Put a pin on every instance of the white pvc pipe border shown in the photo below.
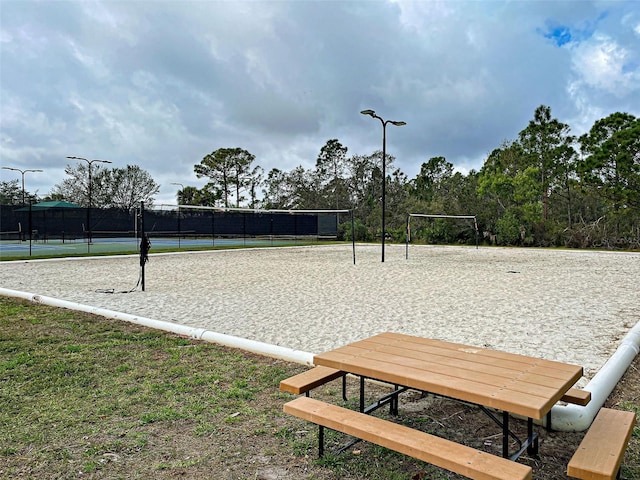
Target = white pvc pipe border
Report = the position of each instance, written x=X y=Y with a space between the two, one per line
x=572 y=418
x=575 y=418
x=267 y=349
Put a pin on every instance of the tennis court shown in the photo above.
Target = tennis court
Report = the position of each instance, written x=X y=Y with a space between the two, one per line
x=51 y=231
x=10 y=249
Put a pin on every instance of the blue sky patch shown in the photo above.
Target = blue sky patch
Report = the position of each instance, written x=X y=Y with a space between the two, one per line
x=561 y=35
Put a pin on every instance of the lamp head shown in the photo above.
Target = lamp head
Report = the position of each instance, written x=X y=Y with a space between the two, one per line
x=371 y=113
x=90 y=161
x=397 y=124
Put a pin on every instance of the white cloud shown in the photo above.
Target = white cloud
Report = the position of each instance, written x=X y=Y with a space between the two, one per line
x=424 y=17
x=601 y=63
x=163 y=84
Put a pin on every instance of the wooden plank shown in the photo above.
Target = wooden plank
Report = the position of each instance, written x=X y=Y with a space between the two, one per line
x=431 y=350
x=474 y=365
x=456 y=359
x=447 y=349
x=305 y=381
x=501 y=398
x=350 y=352
x=423 y=446
x=464 y=371
x=577 y=396
x=408 y=340
x=473 y=374
x=601 y=451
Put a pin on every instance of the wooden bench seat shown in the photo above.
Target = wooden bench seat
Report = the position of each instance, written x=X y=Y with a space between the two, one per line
x=435 y=450
x=577 y=397
x=601 y=451
x=312 y=378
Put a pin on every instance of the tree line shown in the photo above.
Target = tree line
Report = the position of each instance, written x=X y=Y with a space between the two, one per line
x=544 y=188
x=119 y=188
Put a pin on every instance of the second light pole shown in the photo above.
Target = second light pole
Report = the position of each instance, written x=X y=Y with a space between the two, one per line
x=372 y=113
x=90 y=162
x=22 y=172
x=180 y=194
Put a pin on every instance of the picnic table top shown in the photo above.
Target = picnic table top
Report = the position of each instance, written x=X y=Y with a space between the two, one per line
x=518 y=384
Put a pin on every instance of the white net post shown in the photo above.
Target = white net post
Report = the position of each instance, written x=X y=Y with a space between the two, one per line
x=427 y=215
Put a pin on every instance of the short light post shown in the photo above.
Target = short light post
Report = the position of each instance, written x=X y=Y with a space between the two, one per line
x=372 y=113
x=22 y=172
x=89 y=162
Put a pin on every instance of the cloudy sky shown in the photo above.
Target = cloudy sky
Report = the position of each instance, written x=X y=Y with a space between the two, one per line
x=161 y=84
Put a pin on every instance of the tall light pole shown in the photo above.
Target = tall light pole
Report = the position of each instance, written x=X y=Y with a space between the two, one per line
x=182 y=186
x=22 y=172
x=371 y=113
x=90 y=162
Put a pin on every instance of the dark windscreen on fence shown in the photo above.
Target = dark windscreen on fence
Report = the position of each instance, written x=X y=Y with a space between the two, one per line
x=54 y=231
x=71 y=223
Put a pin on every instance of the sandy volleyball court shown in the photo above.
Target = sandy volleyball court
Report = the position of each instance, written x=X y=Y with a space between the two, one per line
x=571 y=306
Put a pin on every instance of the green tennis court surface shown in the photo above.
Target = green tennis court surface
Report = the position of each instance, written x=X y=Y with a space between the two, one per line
x=10 y=249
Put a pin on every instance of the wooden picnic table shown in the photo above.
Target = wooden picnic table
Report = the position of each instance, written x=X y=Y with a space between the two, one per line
x=512 y=383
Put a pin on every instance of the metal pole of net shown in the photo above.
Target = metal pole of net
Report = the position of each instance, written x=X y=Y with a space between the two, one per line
x=145 y=246
x=179 y=231
x=353 y=238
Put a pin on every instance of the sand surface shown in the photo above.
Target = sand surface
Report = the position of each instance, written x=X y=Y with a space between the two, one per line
x=571 y=306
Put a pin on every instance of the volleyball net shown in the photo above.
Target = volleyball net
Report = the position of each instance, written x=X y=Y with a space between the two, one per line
x=167 y=226
x=415 y=216
x=218 y=222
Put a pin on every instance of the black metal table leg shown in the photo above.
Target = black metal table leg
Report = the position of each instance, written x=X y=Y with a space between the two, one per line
x=393 y=405
x=344 y=387
x=505 y=434
x=320 y=441
x=532 y=449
